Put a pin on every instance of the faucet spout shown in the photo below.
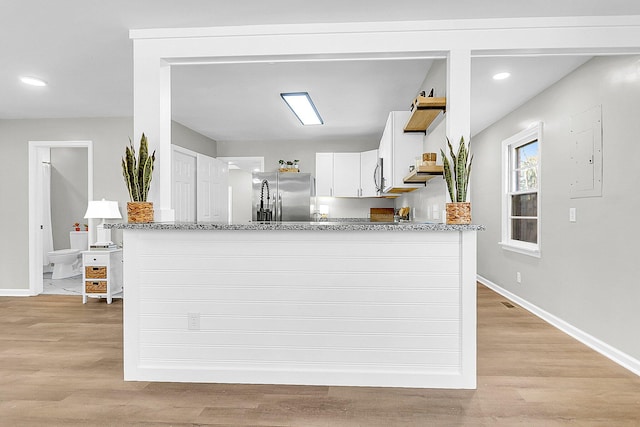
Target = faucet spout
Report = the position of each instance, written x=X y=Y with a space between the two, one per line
x=265 y=183
x=264 y=214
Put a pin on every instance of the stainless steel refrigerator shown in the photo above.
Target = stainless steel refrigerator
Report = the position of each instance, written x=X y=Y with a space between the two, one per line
x=282 y=196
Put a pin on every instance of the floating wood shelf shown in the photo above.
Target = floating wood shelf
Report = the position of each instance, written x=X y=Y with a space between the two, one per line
x=424 y=112
x=422 y=174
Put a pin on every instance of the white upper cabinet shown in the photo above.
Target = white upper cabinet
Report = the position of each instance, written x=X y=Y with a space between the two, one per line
x=369 y=173
x=324 y=174
x=398 y=151
x=346 y=174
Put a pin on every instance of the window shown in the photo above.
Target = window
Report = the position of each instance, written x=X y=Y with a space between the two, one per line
x=521 y=191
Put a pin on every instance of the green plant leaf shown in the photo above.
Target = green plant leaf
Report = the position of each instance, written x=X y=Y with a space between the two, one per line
x=137 y=173
x=447 y=175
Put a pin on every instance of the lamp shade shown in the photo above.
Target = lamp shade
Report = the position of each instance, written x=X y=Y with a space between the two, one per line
x=103 y=209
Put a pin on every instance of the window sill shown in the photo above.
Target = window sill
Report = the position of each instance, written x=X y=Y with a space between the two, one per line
x=530 y=251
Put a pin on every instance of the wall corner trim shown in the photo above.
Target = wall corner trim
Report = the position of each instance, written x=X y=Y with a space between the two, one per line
x=590 y=341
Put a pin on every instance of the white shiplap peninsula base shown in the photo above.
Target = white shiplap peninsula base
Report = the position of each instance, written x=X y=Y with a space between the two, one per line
x=391 y=306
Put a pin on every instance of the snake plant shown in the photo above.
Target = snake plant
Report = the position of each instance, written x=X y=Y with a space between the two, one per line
x=457 y=171
x=137 y=172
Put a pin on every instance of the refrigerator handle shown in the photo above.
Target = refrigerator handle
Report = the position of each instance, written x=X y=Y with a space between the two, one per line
x=279 y=204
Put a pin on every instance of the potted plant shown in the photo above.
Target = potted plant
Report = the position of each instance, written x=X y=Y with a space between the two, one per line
x=137 y=175
x=456 y=174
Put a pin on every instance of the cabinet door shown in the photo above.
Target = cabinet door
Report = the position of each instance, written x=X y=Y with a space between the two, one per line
x=324 y=174
x=385 y=153
x=368 y=165
x=346 y=174
x=398 y=151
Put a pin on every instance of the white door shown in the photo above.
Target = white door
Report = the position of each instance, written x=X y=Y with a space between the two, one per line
x=184 y=185
x=213 y=190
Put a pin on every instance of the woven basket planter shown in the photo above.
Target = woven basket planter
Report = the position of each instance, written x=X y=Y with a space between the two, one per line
x=139 y=212
x=459 y=213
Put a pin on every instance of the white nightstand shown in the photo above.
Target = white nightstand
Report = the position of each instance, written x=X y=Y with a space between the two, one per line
x=101 y=273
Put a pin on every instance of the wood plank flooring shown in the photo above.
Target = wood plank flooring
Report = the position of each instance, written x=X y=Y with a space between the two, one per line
x=61 y=365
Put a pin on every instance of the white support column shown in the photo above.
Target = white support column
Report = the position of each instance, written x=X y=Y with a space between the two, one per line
x=152 y=116
x=166 y=212
x=458 y=95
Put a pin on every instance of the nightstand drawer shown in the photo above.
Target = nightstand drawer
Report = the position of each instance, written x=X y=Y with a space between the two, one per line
x=95 y=272
x=96 y=259
x=95 y=287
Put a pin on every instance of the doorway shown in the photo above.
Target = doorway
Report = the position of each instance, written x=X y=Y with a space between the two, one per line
x=39 y=154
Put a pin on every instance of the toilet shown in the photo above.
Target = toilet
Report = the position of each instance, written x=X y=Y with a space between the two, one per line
x=67 y=262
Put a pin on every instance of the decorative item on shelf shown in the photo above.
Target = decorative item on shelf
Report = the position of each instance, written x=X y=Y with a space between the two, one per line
x=76 y=226
x=456 y=175
x=137 y=175
x=288 y=166
x=429 y=159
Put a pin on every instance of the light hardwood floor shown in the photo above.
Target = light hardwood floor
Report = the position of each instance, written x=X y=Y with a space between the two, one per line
x=61 y=365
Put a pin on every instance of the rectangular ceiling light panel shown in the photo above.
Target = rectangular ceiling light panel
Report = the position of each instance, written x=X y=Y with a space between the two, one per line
x=302 y=106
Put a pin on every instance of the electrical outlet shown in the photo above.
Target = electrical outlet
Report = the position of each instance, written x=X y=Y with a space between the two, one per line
x=193 y=321
x=518 y=277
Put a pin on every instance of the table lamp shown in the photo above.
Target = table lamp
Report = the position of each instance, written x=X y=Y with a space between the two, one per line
x=103 y=209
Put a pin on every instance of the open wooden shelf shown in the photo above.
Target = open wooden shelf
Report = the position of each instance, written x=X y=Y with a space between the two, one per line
x=425 y=110
x=422 y=174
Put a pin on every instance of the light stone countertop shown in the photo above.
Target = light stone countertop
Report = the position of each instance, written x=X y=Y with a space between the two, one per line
x=342 y=225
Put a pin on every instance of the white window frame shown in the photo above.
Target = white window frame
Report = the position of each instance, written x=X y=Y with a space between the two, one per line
x=509 y=145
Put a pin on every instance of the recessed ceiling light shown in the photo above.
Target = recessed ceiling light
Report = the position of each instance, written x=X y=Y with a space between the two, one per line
x=302 y=106
x=33 y=81
x=501 y=76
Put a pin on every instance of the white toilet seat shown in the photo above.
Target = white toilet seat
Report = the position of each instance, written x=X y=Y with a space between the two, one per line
x=64 y=252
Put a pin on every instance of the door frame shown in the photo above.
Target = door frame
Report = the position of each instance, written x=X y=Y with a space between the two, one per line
x=35 y=204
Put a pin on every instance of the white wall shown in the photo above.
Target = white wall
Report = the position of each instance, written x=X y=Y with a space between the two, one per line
x=305 y=151
x=588 y=272
x=240 y=183
x=341 y=207
x=109 y=136
x=192 y=140
x=69 y=171
x=428 y=202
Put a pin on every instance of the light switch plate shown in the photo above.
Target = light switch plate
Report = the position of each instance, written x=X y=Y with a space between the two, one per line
x=572 y=214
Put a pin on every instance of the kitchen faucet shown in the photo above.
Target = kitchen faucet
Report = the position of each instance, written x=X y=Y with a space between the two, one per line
x=264 y=214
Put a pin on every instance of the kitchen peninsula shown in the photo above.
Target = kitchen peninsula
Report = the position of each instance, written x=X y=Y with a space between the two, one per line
x=360 y=304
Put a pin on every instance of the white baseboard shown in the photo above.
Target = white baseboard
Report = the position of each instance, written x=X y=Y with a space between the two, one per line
x=601 y=347
x=15 y=293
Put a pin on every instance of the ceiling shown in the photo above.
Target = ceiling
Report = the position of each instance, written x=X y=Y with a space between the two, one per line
x=82 y=49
